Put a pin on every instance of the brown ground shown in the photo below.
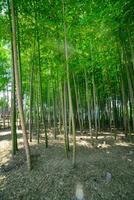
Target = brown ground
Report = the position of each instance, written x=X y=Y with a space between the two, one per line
x=53 y=177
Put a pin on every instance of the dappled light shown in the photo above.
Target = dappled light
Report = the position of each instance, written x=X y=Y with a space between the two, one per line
x=84 y=143
x=94 y=166
x=124 y=144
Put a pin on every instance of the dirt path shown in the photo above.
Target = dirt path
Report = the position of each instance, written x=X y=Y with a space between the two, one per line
x=53 y=177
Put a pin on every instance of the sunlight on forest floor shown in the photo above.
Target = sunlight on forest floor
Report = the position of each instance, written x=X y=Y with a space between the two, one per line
x=53 y=176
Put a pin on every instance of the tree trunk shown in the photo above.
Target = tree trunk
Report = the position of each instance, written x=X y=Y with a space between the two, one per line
x=69 y=88
x=95 y=106
x=31 y=104
x=88 y=104
x=77 y=104
x=40 y=89
x=13 y=97
x=18 y=89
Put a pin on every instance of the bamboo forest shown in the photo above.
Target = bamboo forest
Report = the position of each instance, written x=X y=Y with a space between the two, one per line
x=66 y=100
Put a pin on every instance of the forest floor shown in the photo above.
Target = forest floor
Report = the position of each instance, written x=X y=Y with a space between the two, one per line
x=104 y=167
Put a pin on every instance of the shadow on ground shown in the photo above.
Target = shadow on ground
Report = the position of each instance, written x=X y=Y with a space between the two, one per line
x=54 y=178
x=8 y=136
